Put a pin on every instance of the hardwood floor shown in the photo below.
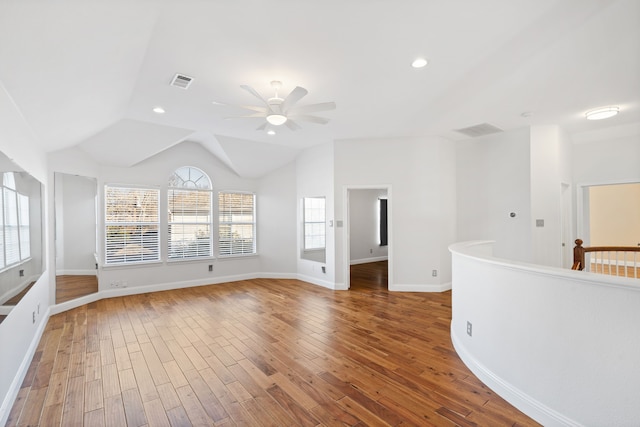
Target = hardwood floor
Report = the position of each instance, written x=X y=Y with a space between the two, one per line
x=258 y=352
x=71 y=287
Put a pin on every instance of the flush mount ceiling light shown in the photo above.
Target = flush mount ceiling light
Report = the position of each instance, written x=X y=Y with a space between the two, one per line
x=602 y=113
x=276 y=119
x=158 y=110
x=419 y=63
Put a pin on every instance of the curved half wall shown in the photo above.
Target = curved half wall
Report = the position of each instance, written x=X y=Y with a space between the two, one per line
x=562 y=346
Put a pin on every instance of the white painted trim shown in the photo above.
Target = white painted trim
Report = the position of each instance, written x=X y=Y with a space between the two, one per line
x=347 y=238
x=118 y=292
x=438 y=287
x=316 y=281
x=525 y=403
x=14 y=388
x=368 y=260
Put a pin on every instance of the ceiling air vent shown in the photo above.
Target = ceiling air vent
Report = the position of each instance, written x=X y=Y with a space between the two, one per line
x=181 y=81
x=479 y=130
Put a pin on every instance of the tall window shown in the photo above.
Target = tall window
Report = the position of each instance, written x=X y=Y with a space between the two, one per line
x=237 y=223
x=189 y=224
x=131 y=225
x=314 y=223
x=15 y=240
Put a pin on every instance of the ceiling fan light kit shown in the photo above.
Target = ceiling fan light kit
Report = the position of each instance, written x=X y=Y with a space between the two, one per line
x=279 y=111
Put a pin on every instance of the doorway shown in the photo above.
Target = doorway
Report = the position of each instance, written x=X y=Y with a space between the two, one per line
x=75 y=199
x=368 y=235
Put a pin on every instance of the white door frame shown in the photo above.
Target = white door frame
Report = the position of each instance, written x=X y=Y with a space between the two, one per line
x=346 y=257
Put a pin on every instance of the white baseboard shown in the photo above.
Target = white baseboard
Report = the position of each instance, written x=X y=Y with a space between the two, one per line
x=89 y=272
x=525 y=403
x=316 y=281
x=440 y=287
x=14 y=388
x=368 y=260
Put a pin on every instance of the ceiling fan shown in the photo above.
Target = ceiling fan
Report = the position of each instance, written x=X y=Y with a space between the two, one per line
x=282 y=111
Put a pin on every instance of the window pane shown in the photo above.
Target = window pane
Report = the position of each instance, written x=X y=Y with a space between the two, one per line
x=11 y=234
x=189 y=216
x=23 y=220
x=236 y=231
x=132 y=225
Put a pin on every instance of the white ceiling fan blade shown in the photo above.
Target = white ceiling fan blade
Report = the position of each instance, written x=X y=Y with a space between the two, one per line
x=263 y=126
x=313 y=108
x=292 y=125
x=244 y=107
x=261 y=115
x=312 y=119
x=295 y=96
x=253 y=92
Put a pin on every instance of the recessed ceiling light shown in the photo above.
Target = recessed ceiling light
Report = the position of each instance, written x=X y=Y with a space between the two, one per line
x=419 y=63
x=158 y=110
x=602 y=113
x=271 y=132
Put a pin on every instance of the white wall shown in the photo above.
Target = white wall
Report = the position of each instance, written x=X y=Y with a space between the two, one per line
x=19 y=334
x=422 y=213
x=75 y=224
x=550 y=167
x=560 y=345
x=607 y=161
x=364 y=217
x=277 y=219
x=493 y=180
x=314 y=178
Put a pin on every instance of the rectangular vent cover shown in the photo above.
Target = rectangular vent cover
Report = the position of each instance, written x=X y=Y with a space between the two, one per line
x=181 y=81
x=479 y=130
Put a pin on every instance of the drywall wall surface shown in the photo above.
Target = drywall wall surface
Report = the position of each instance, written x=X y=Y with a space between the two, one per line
x=364 y=215
x=421 y=219
x=277 y=234
x=493 y=192
x=78 y=222
x=607 y=161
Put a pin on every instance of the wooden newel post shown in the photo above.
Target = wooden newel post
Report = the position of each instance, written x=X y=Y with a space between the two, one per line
x=578 y=256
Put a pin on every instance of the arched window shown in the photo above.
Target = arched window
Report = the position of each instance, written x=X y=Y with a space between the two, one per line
x=189 y=220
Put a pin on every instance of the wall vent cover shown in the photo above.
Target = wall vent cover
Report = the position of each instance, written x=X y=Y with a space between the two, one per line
x=181 y=81
x=479 y=130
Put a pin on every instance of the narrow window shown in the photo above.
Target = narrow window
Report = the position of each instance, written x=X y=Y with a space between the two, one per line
x=131 y=225
x=314 y=223
x=237 y=223
x=189 y=223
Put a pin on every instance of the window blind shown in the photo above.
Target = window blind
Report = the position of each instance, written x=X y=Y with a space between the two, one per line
x=237 y=227
x=131 y=225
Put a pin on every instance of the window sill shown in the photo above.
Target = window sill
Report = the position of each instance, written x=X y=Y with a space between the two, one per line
x=131 y=265
x=237 y=256
x=190 y=260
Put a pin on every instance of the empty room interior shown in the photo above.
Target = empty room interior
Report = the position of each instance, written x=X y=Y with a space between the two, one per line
x=281 y=213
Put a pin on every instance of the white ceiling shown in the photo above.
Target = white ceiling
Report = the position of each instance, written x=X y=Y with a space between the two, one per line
x=87 y=73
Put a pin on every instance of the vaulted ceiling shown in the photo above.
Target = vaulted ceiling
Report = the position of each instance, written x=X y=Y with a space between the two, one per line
x=88 y=73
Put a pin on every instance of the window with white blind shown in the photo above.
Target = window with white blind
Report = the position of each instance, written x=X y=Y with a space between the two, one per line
x=237 y=223
x=132 y=224
x=189 y=217
x=15 y=239
x=23 y=226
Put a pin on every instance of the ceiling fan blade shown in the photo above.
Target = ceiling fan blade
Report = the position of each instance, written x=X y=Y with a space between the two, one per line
x=295 y=96
x=244 y=107
x=248 y=116
x=292 y=125
x=253 y=92
x=263 y=126
x=312 y=119
x=313 y=108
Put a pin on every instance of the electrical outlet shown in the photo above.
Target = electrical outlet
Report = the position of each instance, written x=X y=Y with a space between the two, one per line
x=210 y=267
x=434 y=273
x=34 y=317
x=469 y=328
x=370 y=251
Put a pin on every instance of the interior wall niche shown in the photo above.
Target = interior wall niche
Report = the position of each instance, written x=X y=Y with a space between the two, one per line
x=21 y=236
x=75 y=236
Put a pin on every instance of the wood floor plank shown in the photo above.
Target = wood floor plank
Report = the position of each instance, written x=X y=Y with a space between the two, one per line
x=258 y=352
